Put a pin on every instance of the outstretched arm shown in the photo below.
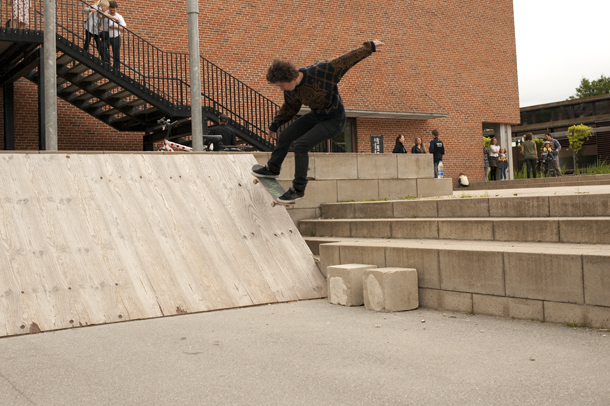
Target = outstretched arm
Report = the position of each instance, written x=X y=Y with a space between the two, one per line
x=344 y=62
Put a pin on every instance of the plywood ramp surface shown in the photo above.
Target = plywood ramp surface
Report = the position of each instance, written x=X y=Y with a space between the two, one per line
x=100 y=238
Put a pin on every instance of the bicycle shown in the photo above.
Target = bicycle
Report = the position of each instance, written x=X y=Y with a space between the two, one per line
x=171 y=146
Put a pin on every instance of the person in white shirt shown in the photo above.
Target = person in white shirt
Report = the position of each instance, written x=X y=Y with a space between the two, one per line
x=112 y=24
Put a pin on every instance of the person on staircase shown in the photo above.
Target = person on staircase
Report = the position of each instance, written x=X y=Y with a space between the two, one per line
x=314 y=86
x=112 y=24
x=93 y=24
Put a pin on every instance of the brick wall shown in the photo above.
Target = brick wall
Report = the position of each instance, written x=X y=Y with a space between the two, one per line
x=454 y=57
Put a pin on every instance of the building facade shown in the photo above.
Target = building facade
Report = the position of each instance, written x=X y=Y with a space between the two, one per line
x=449 y=66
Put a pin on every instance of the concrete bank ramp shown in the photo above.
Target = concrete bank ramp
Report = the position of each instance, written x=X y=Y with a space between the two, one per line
x=100 y=238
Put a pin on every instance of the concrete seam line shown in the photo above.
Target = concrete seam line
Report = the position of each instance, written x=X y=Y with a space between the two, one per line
x=504 y=271
x=582 y=268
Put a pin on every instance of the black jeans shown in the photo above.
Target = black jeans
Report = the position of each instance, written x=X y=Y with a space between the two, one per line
x=115 y=43
x=531 y=167
x=306 y=133
x=95 y=37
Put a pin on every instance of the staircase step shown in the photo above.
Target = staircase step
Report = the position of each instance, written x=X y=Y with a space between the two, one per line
x=576 y=205
x=590 y=230
x=78 y=69
x=545 y=281
x=64 y=60
x=568 y=180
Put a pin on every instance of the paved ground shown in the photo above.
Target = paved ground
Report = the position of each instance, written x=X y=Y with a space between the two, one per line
x=309 y=353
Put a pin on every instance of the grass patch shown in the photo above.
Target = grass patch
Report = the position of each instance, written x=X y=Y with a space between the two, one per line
x=599 y=168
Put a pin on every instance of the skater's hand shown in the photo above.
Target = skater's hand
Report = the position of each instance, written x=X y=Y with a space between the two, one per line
x=378 y=45
x=272 y=134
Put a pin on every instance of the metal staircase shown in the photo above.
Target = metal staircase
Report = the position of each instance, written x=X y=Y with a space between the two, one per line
x=148 y=84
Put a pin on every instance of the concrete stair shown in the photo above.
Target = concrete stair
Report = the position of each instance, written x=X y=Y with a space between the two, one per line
x=540 y=257
x=568 y=180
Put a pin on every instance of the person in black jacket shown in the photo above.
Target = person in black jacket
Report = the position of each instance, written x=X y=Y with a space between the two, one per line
x=227 y=133
x=399 y=148
x=418 y=146
x=437 y=149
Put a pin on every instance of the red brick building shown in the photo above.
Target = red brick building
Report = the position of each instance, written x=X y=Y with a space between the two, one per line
x=445 y=65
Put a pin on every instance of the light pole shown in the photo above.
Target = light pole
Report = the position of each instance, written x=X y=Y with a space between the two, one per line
x=49 y=80
x=192 y=10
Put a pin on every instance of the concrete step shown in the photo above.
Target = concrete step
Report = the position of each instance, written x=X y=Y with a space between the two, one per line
x=590 y=230
x=575 y=205
x=564 y=283
x=568 y=180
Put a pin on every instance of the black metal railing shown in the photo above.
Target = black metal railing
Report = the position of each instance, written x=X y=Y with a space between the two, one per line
x=165 y=74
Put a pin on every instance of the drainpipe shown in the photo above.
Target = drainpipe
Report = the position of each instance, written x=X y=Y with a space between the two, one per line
x=192 y=10
x=49 y=81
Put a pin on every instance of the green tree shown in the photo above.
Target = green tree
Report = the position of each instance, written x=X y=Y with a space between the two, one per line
x=577 y=134
x=589 y=88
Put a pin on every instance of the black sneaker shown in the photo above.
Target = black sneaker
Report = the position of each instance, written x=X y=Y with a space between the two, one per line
x=291 y=196
x=263 y=172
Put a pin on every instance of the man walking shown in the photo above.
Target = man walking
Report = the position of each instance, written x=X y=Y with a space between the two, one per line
x=556 y=147
x=314 y=86
x=437 y=149
x=112 y=23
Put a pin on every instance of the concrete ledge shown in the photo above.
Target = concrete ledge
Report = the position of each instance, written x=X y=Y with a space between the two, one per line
x=531 y=206
x=508 y=307
x=335 y=166
x=463 y=207
x=424 y=260
x=592 y=316
x=434 y=187
x=585 y=230
x=443 y=300
x=373 y=210
x=415 y=229
x=583 y=205
x=472 y=271
x=415 y=209
x=526 y=230
x=466 y=229
x=544 y=277
x=397 y=188
x=415 y=166
x=357 y=189
x=596 y=273
x=377 y=166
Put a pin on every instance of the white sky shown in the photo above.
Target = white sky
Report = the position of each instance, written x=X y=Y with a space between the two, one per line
x=558 y=43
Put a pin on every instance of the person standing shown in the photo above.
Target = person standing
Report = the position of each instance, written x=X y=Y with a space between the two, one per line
x=21 y=14
x=112 y=23
x=314 y=86
x=502 y=163
x=437 y=149
x=530 y=153
x=227 y=133
x=486 y=161
x=555 y=148
x=399 y=148
x=494 y=150
x=93 y=24
x=418 y=147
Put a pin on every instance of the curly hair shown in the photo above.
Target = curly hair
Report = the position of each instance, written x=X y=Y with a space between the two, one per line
x=281 y=71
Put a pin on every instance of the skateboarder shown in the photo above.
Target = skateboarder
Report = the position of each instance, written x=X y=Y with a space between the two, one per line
x=316 y=87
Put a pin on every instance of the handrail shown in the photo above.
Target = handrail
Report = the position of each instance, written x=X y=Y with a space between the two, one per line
x=165 y=73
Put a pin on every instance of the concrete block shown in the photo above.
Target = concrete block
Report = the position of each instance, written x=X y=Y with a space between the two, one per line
x=357 y=190
x=362 y=255
x=262 y=157
x=526 y=230
x=424 y=260
x=416 y=209
x=434 y=187
x=596 y=271
x=466 y=229
x=444 y=300
x=508 y=307
x=585 y=230
x=333 y=228
x=287 y=172
x=390 y=289
x=415 y=166
x=302 y=214
x=530 y=206
x=598 y=317
x=463 y=207
x=580 y=205
x=373 y=210
x=336 y=166
x=317 y=193
x=397 y=188
x=338 y=210
x=377 y=166
x=344 y=283
x=330 y=254
x=472 y=271
x=416 y=228
x=371 y=228
x=544 y=276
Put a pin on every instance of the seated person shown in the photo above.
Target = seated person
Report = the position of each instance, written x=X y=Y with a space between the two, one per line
x=463 y=180
x=227 y=133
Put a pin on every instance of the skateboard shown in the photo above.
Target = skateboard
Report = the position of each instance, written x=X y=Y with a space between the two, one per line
x=272 y=187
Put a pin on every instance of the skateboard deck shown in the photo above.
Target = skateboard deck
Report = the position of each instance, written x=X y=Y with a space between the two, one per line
x=272 y=187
